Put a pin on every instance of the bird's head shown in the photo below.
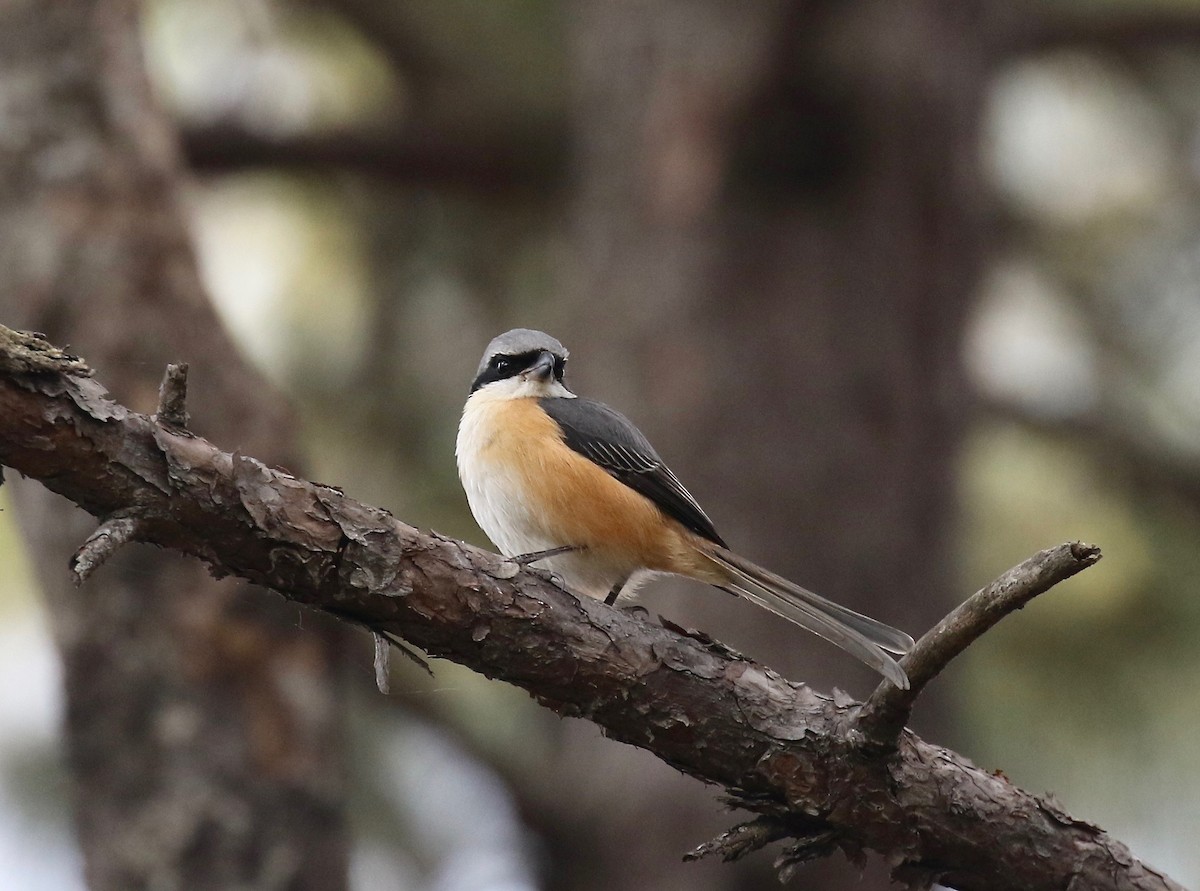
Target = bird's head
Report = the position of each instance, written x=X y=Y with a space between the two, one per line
x=522 y=363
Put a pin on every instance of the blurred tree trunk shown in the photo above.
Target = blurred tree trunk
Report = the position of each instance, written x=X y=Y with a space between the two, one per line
x=779 y=225
x=202 y=723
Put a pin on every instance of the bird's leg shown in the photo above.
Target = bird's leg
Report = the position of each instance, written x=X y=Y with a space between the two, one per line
x=616 y=591
x=535 y=556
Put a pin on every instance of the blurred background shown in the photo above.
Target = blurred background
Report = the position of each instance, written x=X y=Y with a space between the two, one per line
x=903 y=292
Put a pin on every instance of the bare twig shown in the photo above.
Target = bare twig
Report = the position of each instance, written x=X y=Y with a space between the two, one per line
x=743 y=839
x=108 y=538
x=382 y=663
x=886 y=712
x=172 y=397
x=805 y=850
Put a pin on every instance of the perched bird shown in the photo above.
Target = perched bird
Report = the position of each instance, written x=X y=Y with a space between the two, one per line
x=571 y=483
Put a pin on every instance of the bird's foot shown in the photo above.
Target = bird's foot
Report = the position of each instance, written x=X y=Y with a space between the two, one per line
x=535 y=556
x=614 y=593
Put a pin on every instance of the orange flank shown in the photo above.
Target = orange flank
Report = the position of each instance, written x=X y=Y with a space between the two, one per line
x=527 y=446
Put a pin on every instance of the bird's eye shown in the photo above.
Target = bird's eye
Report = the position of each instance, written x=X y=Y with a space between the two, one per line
x=502 y=363
x=560 y=367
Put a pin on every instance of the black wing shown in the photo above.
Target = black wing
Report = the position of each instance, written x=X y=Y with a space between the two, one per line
x=608 y=438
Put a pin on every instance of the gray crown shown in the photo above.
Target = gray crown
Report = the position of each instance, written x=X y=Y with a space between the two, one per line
x=518 y=341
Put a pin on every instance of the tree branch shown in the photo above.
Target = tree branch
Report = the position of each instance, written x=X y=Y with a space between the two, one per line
x=886 y=712
x=1025 y=29
x=486 y=164
x=779 y=749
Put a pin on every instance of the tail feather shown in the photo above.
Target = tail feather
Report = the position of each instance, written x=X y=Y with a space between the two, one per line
x=859 y=635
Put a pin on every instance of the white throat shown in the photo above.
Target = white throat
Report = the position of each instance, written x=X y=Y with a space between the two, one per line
x=494 y=490
x=518 y=387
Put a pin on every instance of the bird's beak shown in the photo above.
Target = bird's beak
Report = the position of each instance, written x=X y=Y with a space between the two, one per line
x=542 y=369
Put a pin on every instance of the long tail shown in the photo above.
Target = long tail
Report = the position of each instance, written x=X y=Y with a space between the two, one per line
x=860 y=636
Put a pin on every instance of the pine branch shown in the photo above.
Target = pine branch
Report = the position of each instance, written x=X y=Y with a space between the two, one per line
x=798 y=759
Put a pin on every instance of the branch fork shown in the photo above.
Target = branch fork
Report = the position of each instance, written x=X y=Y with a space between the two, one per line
x=120 y=527
x=880 y=721
x=883 y=716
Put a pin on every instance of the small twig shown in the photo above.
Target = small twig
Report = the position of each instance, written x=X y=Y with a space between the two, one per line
x=743 y=839
x=382 y=663
x=172 y=397
x=885 y=713
x=388 y=638
x=406 y=651
x=808 y=848
x=109 y=536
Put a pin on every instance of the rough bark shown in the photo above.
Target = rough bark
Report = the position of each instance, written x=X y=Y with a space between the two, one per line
x=201 y=728
x=778 y=748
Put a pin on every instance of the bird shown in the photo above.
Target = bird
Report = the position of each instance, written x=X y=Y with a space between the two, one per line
x=571 y=484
